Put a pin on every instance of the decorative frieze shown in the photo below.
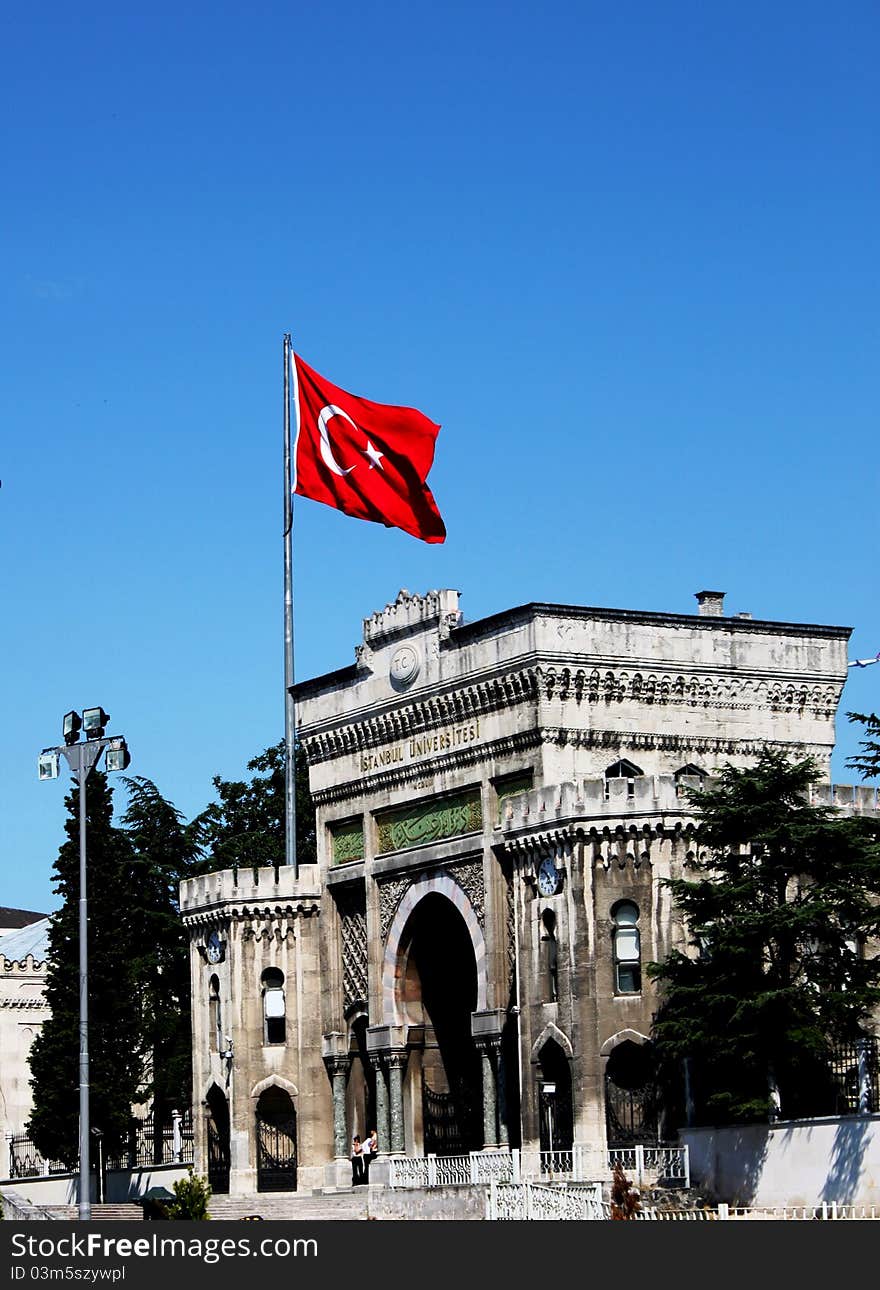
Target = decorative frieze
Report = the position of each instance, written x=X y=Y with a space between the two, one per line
x=552 y=684
x=469 y=876
x=347 y=842
x=351 y=902
x=391 y=893
x=434 y=821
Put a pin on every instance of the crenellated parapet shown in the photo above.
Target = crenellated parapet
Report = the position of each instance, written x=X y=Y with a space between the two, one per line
x=260 y=896
x=412 y=613
x=620 y=822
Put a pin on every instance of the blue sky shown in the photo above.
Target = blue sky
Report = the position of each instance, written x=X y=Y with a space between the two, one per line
x=626 y=255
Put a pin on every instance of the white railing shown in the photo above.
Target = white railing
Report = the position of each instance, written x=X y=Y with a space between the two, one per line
x=653 y=1164
x=828 y=1210
x=537 y=1203
x=475 y=1169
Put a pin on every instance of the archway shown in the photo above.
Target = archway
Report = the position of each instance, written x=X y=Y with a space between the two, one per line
x=276 y=1140
x=556 y=1125
x=631 y=1099
x=217 y=1136
x=437 y=988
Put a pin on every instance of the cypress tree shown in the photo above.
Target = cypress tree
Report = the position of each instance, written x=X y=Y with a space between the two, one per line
x=114 y=1065
x=164 y=850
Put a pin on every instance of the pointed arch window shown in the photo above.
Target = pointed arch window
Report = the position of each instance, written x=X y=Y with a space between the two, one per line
x=215 y=1019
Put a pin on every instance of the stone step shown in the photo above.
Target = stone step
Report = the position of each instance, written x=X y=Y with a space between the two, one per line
x=303 y=1206
x=119 y=1212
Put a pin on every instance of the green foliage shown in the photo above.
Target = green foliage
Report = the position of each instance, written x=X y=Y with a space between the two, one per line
x=867 y=763
x=191 y=1197
x=625 y=1202
x=114 y=1041
x=245 y=828
x=778 y=909
x=164 y=851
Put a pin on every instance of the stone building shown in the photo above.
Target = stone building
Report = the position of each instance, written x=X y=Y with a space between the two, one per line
x=497 y=804
x=23 y=1009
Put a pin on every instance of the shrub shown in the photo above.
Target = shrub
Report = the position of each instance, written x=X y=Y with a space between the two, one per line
x=191 y=1196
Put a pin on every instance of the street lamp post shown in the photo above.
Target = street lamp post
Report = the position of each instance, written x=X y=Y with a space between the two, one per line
x=82 y=757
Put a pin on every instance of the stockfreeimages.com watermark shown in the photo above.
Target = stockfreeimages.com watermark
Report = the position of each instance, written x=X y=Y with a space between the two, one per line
x=95 y=1245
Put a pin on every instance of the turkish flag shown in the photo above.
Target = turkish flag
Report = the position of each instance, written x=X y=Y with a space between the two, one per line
x=367 y=459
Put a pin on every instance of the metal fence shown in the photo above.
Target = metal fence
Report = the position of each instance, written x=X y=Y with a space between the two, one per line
x=25 y=1160
x=855 y=1071
x=670 y=1165
x=148 y=1144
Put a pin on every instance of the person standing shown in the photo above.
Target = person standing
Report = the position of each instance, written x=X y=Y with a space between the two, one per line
x=371 y=1150
x=357 y=1161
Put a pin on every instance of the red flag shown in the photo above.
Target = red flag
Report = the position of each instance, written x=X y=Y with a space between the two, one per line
x=367 y=459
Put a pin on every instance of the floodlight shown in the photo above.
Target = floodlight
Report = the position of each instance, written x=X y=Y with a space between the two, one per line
x=47 y=765
x=94 y=720
x=117 y=756
x=71 y=727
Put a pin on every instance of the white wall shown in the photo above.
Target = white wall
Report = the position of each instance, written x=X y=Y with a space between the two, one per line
x=801 y=1162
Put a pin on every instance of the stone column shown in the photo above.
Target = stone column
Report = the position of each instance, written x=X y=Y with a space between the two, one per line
x=396 y=1066
x=382 y=1122
x=503 y=1132
x=490 y=1100
x=337 y=1069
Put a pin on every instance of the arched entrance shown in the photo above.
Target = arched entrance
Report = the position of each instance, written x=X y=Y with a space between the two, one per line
x=631 y=1099
x=276 y=1140
x=217 y=1137
x=556 y=1124
x=438 y=990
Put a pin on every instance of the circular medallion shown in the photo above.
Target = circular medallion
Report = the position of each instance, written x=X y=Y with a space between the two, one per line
x=405 y=664
x=548 y=877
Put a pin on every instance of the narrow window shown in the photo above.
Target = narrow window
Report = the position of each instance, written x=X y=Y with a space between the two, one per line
x=274 y=1020
x=215 y=1020
x=627 y=948
x=551 y=955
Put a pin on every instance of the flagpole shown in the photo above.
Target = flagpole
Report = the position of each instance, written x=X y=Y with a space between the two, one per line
x=289 y=706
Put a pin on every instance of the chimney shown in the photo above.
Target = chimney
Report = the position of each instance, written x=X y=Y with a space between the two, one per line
x=711 y=604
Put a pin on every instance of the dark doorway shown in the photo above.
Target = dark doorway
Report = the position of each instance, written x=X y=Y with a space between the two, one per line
x=441 y=992
x=557 y=1120
x=217 y=1126
x=276 y=1141
x=631 y=1099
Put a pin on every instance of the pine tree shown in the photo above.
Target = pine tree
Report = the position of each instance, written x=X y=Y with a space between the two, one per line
x=164 y=850
x=867 y=763
x=779 y=910
x=113 y=1037
x=245 y=829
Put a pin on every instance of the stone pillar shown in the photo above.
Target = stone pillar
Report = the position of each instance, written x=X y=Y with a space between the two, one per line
x=396 y=1066
x=490 y=1101
x=337 y=1069
x=382 y=1121
x=501 y=1084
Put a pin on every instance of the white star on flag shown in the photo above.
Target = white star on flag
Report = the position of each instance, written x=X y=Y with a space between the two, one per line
x=374 y=455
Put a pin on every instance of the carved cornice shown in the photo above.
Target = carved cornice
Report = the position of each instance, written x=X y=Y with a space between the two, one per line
x=509 y=745
x=29 y=1004
x=238 y=913
x=645 y=687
